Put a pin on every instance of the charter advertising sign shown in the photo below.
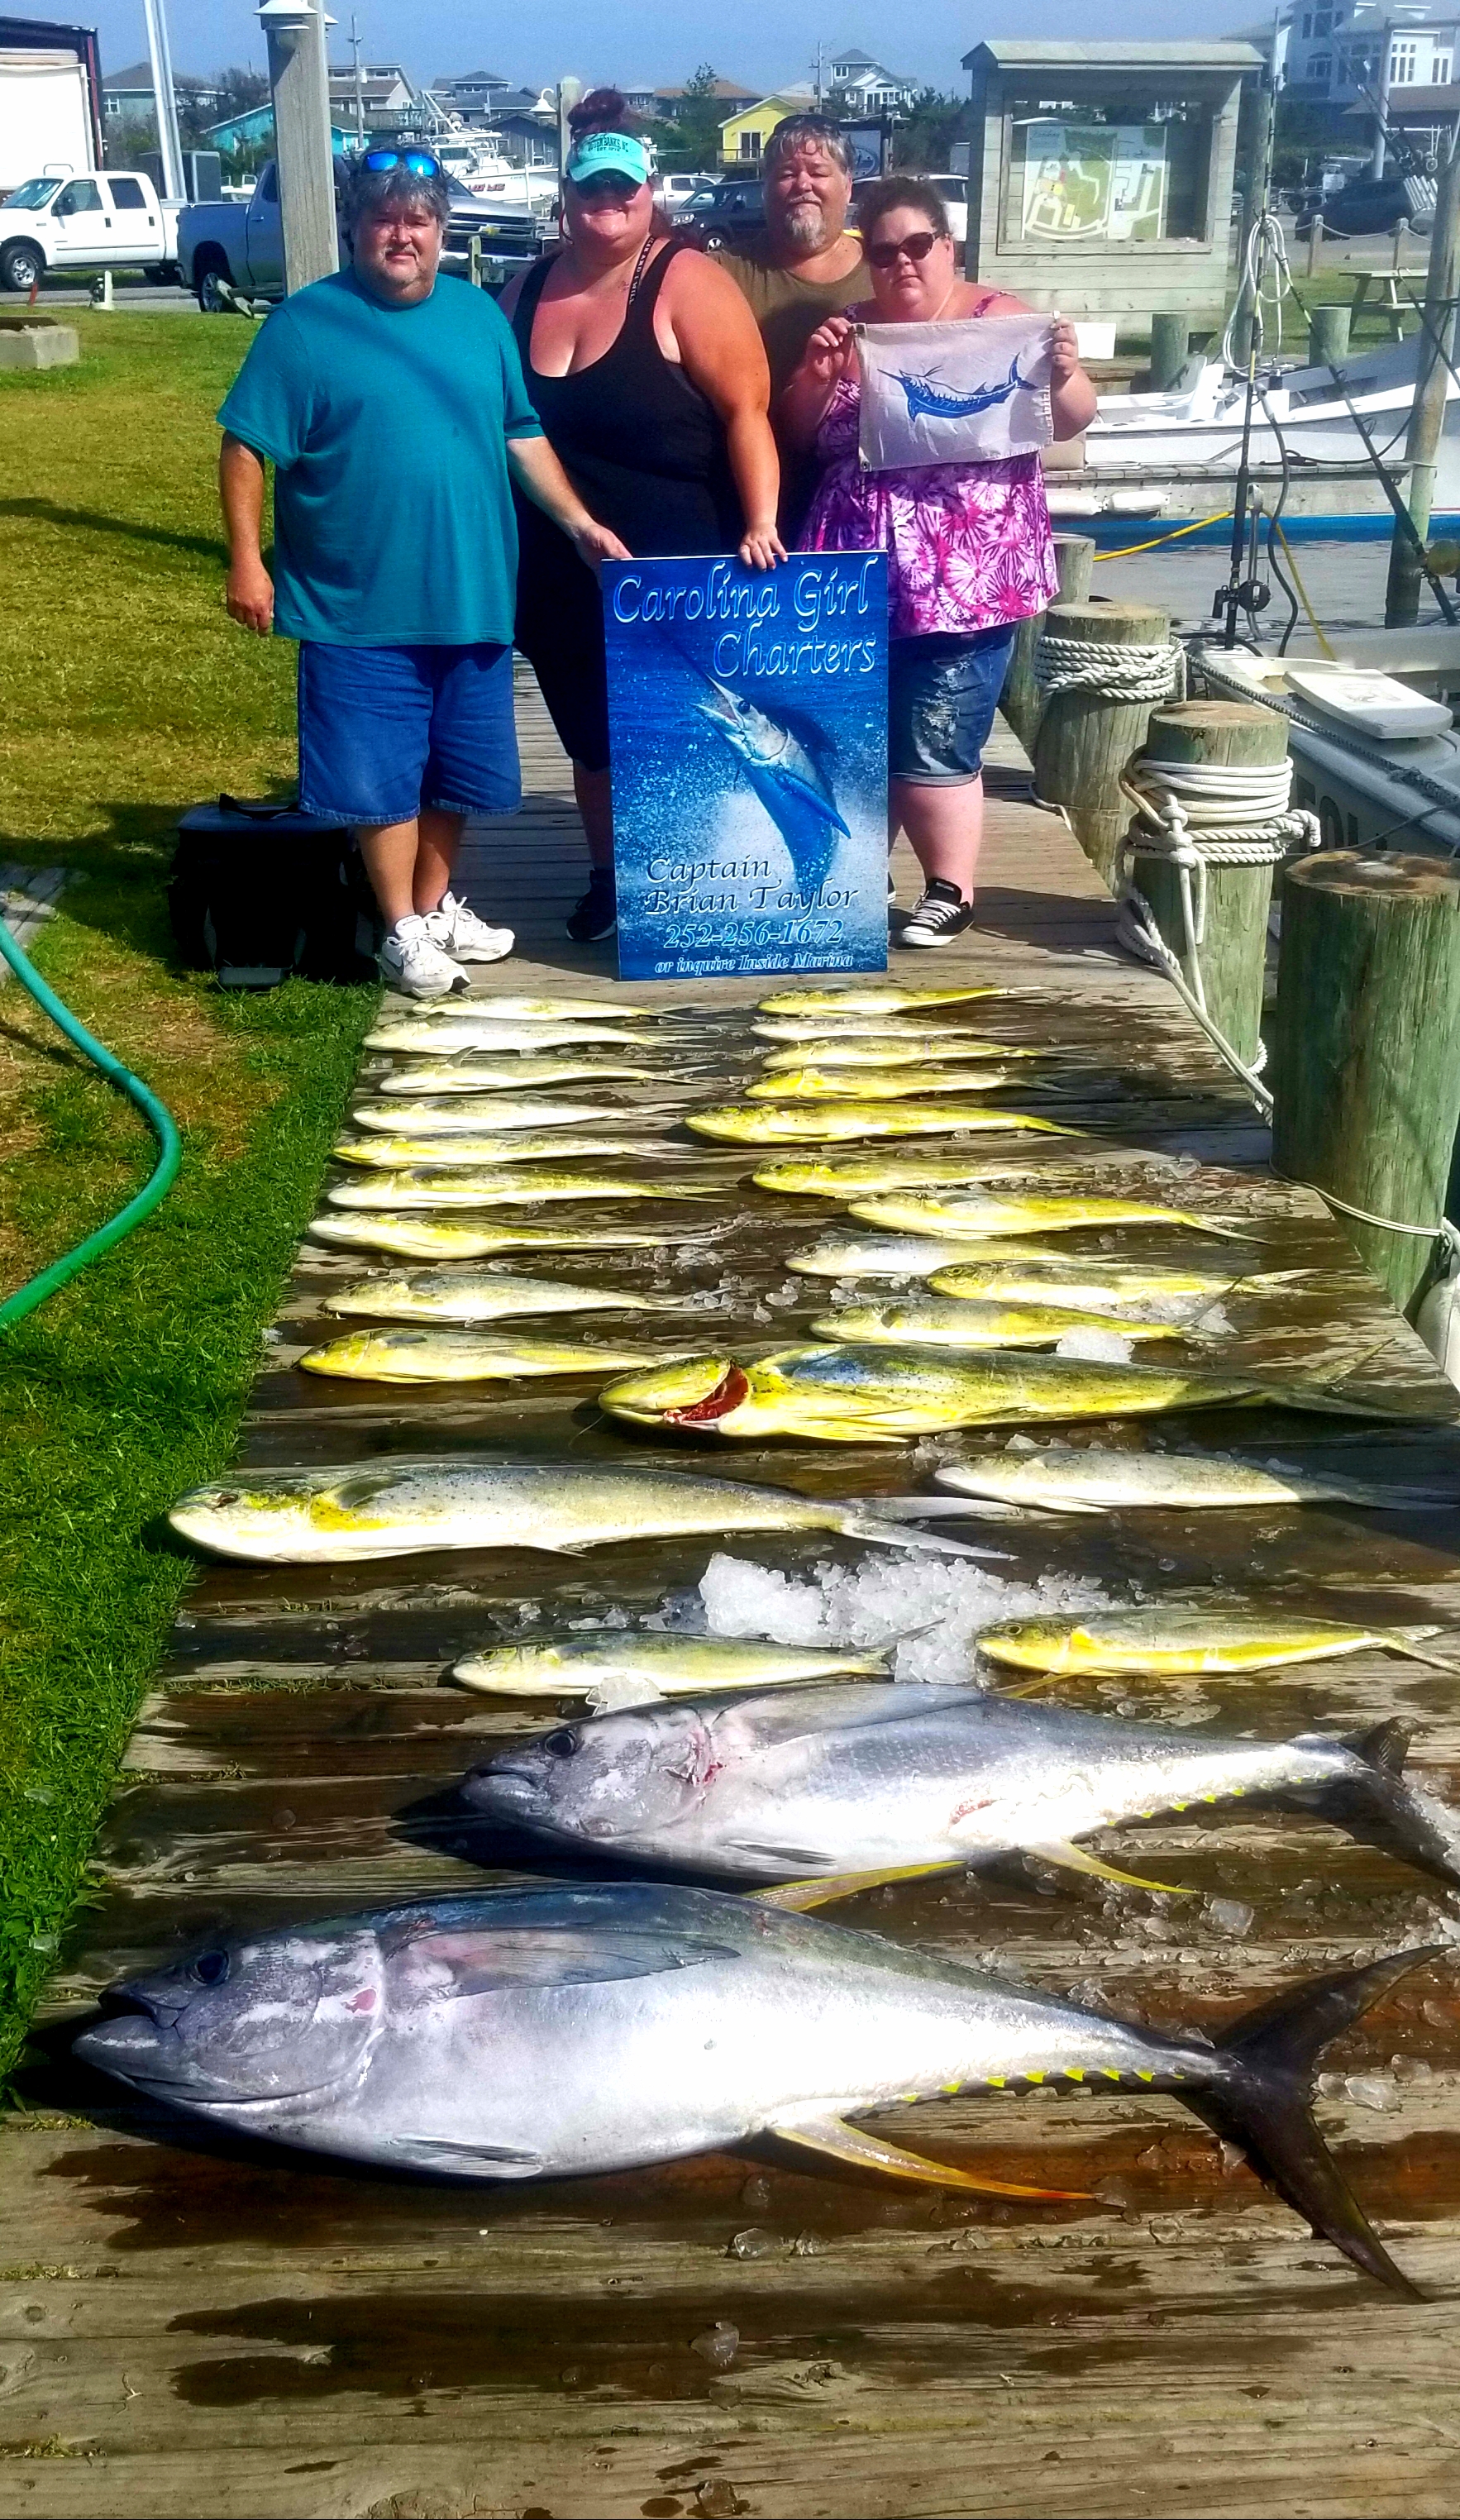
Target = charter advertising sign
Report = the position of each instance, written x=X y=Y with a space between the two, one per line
x=747 y=715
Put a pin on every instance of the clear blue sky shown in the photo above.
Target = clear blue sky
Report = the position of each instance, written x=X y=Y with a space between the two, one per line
x=760 y=41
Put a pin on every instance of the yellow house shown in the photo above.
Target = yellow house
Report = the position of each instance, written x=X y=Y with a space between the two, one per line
x=744 y=137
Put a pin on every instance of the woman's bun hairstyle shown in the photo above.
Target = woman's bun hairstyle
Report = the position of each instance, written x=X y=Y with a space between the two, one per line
x=601 y=110
x=901 y=193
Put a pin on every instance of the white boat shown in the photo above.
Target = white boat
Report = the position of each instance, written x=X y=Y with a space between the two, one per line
x=1176 y=455
x=1370 y=728
x=475 y=159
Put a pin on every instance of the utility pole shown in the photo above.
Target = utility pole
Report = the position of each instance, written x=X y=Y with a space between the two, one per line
x=359 y=86
x=1432 y=378
x=569 y=90
x=159 y=53
x=820 y=48
x=303 y=143
x=1381 y=116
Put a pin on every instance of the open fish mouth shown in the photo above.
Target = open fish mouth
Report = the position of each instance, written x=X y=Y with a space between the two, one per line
x=728 y=1394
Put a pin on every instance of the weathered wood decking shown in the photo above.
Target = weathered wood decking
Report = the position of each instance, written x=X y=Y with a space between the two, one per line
x=196 y=2326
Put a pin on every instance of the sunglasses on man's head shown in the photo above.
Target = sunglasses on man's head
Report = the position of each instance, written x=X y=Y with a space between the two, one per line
x=916 y=247
x=415 y=162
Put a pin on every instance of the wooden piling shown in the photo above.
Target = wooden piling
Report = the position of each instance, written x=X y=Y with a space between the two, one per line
x=1171 y=347
x=1084 y=738
x=1328 y=335
x=1234 y=947
x=1020 y=699
x=1367 y=1052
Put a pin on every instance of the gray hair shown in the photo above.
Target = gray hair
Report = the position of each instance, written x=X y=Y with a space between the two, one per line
x=365 y=193
x=810 y=131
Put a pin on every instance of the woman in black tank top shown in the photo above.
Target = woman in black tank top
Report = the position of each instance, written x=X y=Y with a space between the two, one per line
x=675 y=456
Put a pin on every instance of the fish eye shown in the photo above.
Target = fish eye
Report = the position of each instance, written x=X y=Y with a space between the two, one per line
x=210 y=1968
x=226 y=1496
x=561 y=1743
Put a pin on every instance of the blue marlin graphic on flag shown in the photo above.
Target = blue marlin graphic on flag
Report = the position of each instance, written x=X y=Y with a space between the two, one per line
x=782 y=767
x=928 y=400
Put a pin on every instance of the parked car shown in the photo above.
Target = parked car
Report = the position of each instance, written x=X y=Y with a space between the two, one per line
x=65 y=223
x=718 y=213
x=1370 y=205
x=674 y=190
x=238 y=247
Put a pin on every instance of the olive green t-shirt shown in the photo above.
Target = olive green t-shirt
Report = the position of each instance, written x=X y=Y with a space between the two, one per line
x=787 y=309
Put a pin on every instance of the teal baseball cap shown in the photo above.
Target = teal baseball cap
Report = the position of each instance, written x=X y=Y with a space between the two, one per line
x=608 y=153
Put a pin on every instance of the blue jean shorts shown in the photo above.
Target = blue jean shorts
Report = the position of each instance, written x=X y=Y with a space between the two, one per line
x=383 y=730
x=942 y=693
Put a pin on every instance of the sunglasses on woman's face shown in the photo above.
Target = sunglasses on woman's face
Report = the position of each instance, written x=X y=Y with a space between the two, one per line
x=415 y=162
x=916 y=247
x=598 y=189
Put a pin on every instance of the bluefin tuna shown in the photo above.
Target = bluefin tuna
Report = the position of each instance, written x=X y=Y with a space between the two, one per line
x=538 y=2033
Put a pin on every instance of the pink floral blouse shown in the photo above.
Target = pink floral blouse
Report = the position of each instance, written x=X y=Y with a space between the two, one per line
x=969 y=545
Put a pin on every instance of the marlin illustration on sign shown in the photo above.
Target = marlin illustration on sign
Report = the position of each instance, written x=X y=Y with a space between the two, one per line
x=926 y=400
x=783 y=773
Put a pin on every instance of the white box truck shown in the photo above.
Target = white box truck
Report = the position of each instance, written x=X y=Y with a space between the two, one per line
x=47 y=122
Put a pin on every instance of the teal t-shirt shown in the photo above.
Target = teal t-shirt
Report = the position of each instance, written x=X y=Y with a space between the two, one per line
x=387 y=427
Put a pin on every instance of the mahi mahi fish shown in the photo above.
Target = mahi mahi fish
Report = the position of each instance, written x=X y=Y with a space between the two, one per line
x=908 y=1212
x=853 y=1175
x=401 y=1507
x=976 y=1324
x=1019 y=1273
x=432 y=1189
x=883 y=1778
x=528 y=1011
x=462 y=1356
x=782 y=772
x=876 y=998
x=790 y=1124
x=423 y=1237
x=863 y=1048
x=1170 y=1640
x=385 y=1154
x=459 y=1294
x=542 y=2032
x=873 y=1255
x=431 y=1039
x=878 y=1395
x=502 y=1075
x=1066 y=1479
x=667 y=1664
x=878 y=1084
x=451 y=1119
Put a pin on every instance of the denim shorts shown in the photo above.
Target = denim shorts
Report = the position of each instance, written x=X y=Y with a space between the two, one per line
x=942 y=693
x=383 y=730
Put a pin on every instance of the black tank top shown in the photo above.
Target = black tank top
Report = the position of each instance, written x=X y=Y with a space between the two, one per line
x=641 y=442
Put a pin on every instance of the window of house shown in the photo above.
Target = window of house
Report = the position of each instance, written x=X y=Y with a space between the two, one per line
x=750 y=144
x=1322 y=21
x=1307 y=26
x=1402 y=63
x=1440 y=73
x=1320 y=69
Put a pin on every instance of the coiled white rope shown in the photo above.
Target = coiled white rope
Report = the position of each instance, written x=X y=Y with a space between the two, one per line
x=1192 y=816
x=1137 y=672
x=1265 y=280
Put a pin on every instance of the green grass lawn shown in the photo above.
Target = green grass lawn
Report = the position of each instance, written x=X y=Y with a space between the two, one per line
x=129 y=695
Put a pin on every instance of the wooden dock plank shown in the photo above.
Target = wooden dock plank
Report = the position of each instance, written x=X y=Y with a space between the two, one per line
x=191 y=2322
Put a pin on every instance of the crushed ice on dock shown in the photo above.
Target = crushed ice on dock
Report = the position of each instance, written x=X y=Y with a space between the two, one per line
x=935 y=1610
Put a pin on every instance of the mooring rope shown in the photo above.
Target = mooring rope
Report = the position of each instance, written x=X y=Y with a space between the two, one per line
x=1137 y=672
x=1192 y=816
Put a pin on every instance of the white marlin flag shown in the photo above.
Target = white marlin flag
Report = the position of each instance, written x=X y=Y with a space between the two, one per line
x=967 y=392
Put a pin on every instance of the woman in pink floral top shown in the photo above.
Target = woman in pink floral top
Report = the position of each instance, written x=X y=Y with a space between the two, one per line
x=969 y=553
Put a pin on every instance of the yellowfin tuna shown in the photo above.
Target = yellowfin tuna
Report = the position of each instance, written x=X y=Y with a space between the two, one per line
x=523 y=1188
x=859 y=1395
x=789 y=1124
x=975 y=1325
x=909 y=1213
x=461 y=1356
x=421 y=1238
x=1168 y=1641
x=876 y=1084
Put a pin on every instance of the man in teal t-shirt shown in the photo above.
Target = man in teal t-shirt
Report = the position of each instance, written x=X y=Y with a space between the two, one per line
x=391 y=404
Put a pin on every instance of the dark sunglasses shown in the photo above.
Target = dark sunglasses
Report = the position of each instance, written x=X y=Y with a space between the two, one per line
x=916 y=247
x=606 y=187
x=415 y=162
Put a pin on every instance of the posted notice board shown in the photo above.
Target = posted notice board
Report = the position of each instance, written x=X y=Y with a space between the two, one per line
x=747 y=715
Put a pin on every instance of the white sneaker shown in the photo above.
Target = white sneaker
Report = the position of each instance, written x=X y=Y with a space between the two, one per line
x=413 y=962
x=457 y=930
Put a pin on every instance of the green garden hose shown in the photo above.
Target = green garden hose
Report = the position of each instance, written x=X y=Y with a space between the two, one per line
x=169 y=1156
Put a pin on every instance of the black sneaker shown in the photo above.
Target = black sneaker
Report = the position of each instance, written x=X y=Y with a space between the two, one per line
x=942 y=915
x=596 y=916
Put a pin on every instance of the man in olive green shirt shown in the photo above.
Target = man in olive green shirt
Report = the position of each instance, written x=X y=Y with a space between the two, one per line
x=804 y=265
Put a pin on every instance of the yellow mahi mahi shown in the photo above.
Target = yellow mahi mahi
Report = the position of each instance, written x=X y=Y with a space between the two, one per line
x=464 y=1294
x=878 y=998
x=853 y=1176
x=878 y=1084
x=504 y=1076
x=461 y=1356
x=449 y=1118
x=866 y=1041
x=421 y=1238
x=1175 y=1640
x=421 y=1037
x=907 y=1212
x=389 y=1154
x=507 y=1189
x=976 y=1325
x=789 y=1124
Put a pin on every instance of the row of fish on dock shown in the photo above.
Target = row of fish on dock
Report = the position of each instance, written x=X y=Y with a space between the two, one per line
x=605 y=2024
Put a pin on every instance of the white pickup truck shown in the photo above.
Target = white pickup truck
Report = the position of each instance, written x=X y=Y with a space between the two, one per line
x=65 y=223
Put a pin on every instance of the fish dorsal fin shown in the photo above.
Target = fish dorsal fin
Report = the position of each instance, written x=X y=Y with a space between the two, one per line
x=1079 y=1858
x=858 y=2150
x=449 y=1963
x=1383 y=1745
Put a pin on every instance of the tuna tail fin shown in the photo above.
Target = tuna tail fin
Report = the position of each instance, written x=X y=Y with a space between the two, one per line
x=1427 y=1830
x=1266 y=2096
